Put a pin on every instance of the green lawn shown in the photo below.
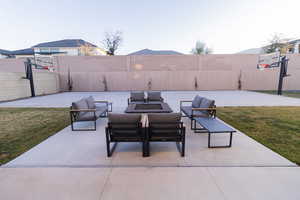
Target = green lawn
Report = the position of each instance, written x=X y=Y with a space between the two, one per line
x=23 y=128
x=295 y=94
x=275 y=127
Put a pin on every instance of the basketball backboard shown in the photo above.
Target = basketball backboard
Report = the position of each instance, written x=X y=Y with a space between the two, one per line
x=270 y=60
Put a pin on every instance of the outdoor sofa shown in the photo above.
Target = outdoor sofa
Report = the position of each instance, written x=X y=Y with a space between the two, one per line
x=139 y=97
x=87 y=109
x=202 y=111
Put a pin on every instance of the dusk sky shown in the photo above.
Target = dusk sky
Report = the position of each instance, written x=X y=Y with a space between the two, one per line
x=227 y=26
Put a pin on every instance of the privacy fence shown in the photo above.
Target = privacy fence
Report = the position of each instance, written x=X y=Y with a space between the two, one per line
x=172 y=72
x=155 y=72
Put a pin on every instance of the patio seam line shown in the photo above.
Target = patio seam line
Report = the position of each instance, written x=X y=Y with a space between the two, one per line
x=215 y=182
x=105 y=183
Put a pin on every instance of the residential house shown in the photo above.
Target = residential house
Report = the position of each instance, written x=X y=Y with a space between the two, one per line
x=155 y=52
x=292 y=47
x=70 y=47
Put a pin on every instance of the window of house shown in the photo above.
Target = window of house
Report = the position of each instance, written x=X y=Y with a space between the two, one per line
x=44 y=49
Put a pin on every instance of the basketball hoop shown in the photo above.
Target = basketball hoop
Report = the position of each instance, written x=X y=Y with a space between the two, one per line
x=268 y=61
x=274 y=60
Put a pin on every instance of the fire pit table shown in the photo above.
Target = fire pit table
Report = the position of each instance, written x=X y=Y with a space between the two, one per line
x=148 y=108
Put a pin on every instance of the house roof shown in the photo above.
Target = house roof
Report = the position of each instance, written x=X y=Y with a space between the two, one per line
x=155 y=52
x=28 y=51
x=5 y=52
x=65 y=43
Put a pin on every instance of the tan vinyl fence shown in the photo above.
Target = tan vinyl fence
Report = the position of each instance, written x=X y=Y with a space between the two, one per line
x=172 y=72
x=160 y=72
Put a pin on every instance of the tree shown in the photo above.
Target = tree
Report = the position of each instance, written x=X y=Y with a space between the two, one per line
x=112 y=42
x=276 y=43
x=201 y=48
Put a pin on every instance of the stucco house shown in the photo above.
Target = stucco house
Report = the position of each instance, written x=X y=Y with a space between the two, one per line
x=70 y=47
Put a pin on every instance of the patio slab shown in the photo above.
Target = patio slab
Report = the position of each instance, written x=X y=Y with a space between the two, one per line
x=119 y=99
x=88 y=149
x=174 y=183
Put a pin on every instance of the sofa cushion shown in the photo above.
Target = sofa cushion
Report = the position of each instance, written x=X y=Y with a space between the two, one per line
x=187 y=110
x=90 y=102
x=81 y=104
x=196 y=101
x=117 y=120
x=169 y=120
x=86 y=116
x=154 y=96
x=137 y=96
x=207 y=103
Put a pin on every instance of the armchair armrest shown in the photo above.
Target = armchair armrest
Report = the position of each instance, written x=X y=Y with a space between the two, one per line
x=83 y=110
x=204 y=109
x=212 y=111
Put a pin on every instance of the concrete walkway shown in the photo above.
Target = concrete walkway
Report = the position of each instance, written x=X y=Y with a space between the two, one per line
x=119 y=99
x=73 y=165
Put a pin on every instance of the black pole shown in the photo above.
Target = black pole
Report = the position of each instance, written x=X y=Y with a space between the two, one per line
x=282 y=74
x=29 y=75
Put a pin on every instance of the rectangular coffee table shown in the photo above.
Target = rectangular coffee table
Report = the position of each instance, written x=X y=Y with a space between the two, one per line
x=149 y=108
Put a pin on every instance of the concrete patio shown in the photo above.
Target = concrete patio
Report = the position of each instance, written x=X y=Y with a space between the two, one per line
x=73 y=165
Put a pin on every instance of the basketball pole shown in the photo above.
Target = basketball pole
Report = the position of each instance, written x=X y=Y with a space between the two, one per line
x=282 y=73
x=29 y=76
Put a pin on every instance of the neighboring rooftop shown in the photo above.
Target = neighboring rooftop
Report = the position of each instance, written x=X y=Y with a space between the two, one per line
x=155 y=52
x=65 y=43
x=28 y=51
x=5 y=52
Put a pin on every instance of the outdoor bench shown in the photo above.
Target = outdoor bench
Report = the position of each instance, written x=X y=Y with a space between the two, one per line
x=213 y=125
x=203 y=111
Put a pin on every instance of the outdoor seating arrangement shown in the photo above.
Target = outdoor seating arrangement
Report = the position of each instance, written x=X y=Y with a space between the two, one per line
x=125 y=128
x=163 y=127
x=166 y=127
x=202 y=111
x=87 y=109
x=139 y=97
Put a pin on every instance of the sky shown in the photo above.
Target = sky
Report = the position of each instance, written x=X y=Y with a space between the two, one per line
x=226 y=26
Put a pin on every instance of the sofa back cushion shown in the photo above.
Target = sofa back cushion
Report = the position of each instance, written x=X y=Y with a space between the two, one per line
x=196 y=101
x=207 y=103
x=119 y=120
x=81 y=104
x=164 y=120
x=90 y=102
x=154 y=96
x=137 y=96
